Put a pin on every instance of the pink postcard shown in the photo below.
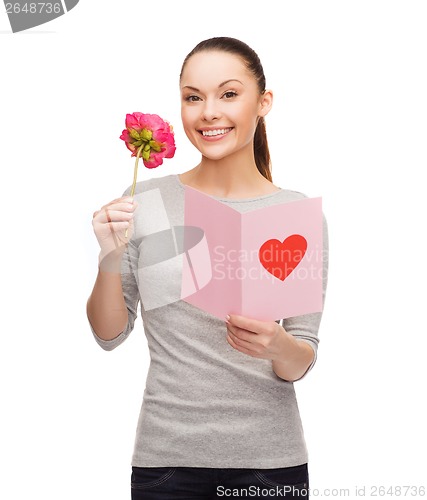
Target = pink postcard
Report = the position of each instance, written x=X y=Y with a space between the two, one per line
x=265 y=264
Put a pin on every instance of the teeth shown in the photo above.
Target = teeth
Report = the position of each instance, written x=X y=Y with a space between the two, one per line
x=220 y=131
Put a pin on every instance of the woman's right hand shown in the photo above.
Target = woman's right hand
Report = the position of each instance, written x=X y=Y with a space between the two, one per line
x=110 y=224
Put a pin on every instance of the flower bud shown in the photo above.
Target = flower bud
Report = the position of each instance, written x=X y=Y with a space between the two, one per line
x=146 y=134
x=156 y=146
x=134 y=134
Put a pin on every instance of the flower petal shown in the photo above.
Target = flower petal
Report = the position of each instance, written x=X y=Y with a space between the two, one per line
x=156 y=132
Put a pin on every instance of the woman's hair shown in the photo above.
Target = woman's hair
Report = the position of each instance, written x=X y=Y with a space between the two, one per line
x=253 y=63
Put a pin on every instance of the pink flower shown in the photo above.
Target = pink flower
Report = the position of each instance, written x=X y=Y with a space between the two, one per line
x=150 y=136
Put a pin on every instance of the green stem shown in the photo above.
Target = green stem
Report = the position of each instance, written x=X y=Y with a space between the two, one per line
x=135 y=170
x=135 y=173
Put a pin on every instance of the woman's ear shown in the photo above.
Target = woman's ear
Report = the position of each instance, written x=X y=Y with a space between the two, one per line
x=266 y=102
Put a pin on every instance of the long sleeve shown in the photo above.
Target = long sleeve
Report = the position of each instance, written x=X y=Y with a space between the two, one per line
x=129 y=269
x=306 y=327
x=130 y=294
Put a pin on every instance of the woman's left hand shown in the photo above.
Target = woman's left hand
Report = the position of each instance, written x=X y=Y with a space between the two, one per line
x=259 y=339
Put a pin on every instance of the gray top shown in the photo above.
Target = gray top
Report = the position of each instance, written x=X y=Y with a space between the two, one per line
x=206 y=404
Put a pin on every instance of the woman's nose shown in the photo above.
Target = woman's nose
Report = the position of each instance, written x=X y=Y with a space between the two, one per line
x=210 y=111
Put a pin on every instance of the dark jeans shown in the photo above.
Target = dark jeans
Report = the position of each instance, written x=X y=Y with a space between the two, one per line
x=197 y=483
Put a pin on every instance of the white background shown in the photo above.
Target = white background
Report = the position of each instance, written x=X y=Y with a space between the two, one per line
x=348 y=124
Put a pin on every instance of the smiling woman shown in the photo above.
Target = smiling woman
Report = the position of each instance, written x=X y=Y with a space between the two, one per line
x=224 y=117
x=219 y=407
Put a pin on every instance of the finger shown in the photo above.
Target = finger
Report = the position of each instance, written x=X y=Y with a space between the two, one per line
x=109 y=203
x=127 y=206
x=118 y=226
x=242 y=346
x=116 y=209
x=107 y=213
x=241 y=334
x=252 y=325
x=113 y=228
x=107 y=216
x=123 y=201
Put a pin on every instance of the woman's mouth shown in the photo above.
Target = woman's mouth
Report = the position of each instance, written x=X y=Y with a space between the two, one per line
x=215 y=133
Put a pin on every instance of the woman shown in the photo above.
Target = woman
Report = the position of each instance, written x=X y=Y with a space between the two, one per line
x=219 y=414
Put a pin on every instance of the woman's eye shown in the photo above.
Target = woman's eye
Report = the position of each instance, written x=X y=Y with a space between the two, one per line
x=192 y=98
x=229 y=94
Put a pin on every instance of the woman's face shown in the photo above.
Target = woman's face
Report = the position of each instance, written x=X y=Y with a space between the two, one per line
x=220 y=103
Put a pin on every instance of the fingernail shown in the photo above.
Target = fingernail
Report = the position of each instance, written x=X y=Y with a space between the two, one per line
x=227 y=317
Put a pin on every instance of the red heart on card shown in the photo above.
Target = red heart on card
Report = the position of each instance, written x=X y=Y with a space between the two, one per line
x=281 y=258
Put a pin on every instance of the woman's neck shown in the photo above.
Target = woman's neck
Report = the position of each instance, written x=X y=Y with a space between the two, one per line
x=229 y=177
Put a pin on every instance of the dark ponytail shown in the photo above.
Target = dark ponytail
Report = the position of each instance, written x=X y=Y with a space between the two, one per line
x=261 y=151
x=253 y=63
